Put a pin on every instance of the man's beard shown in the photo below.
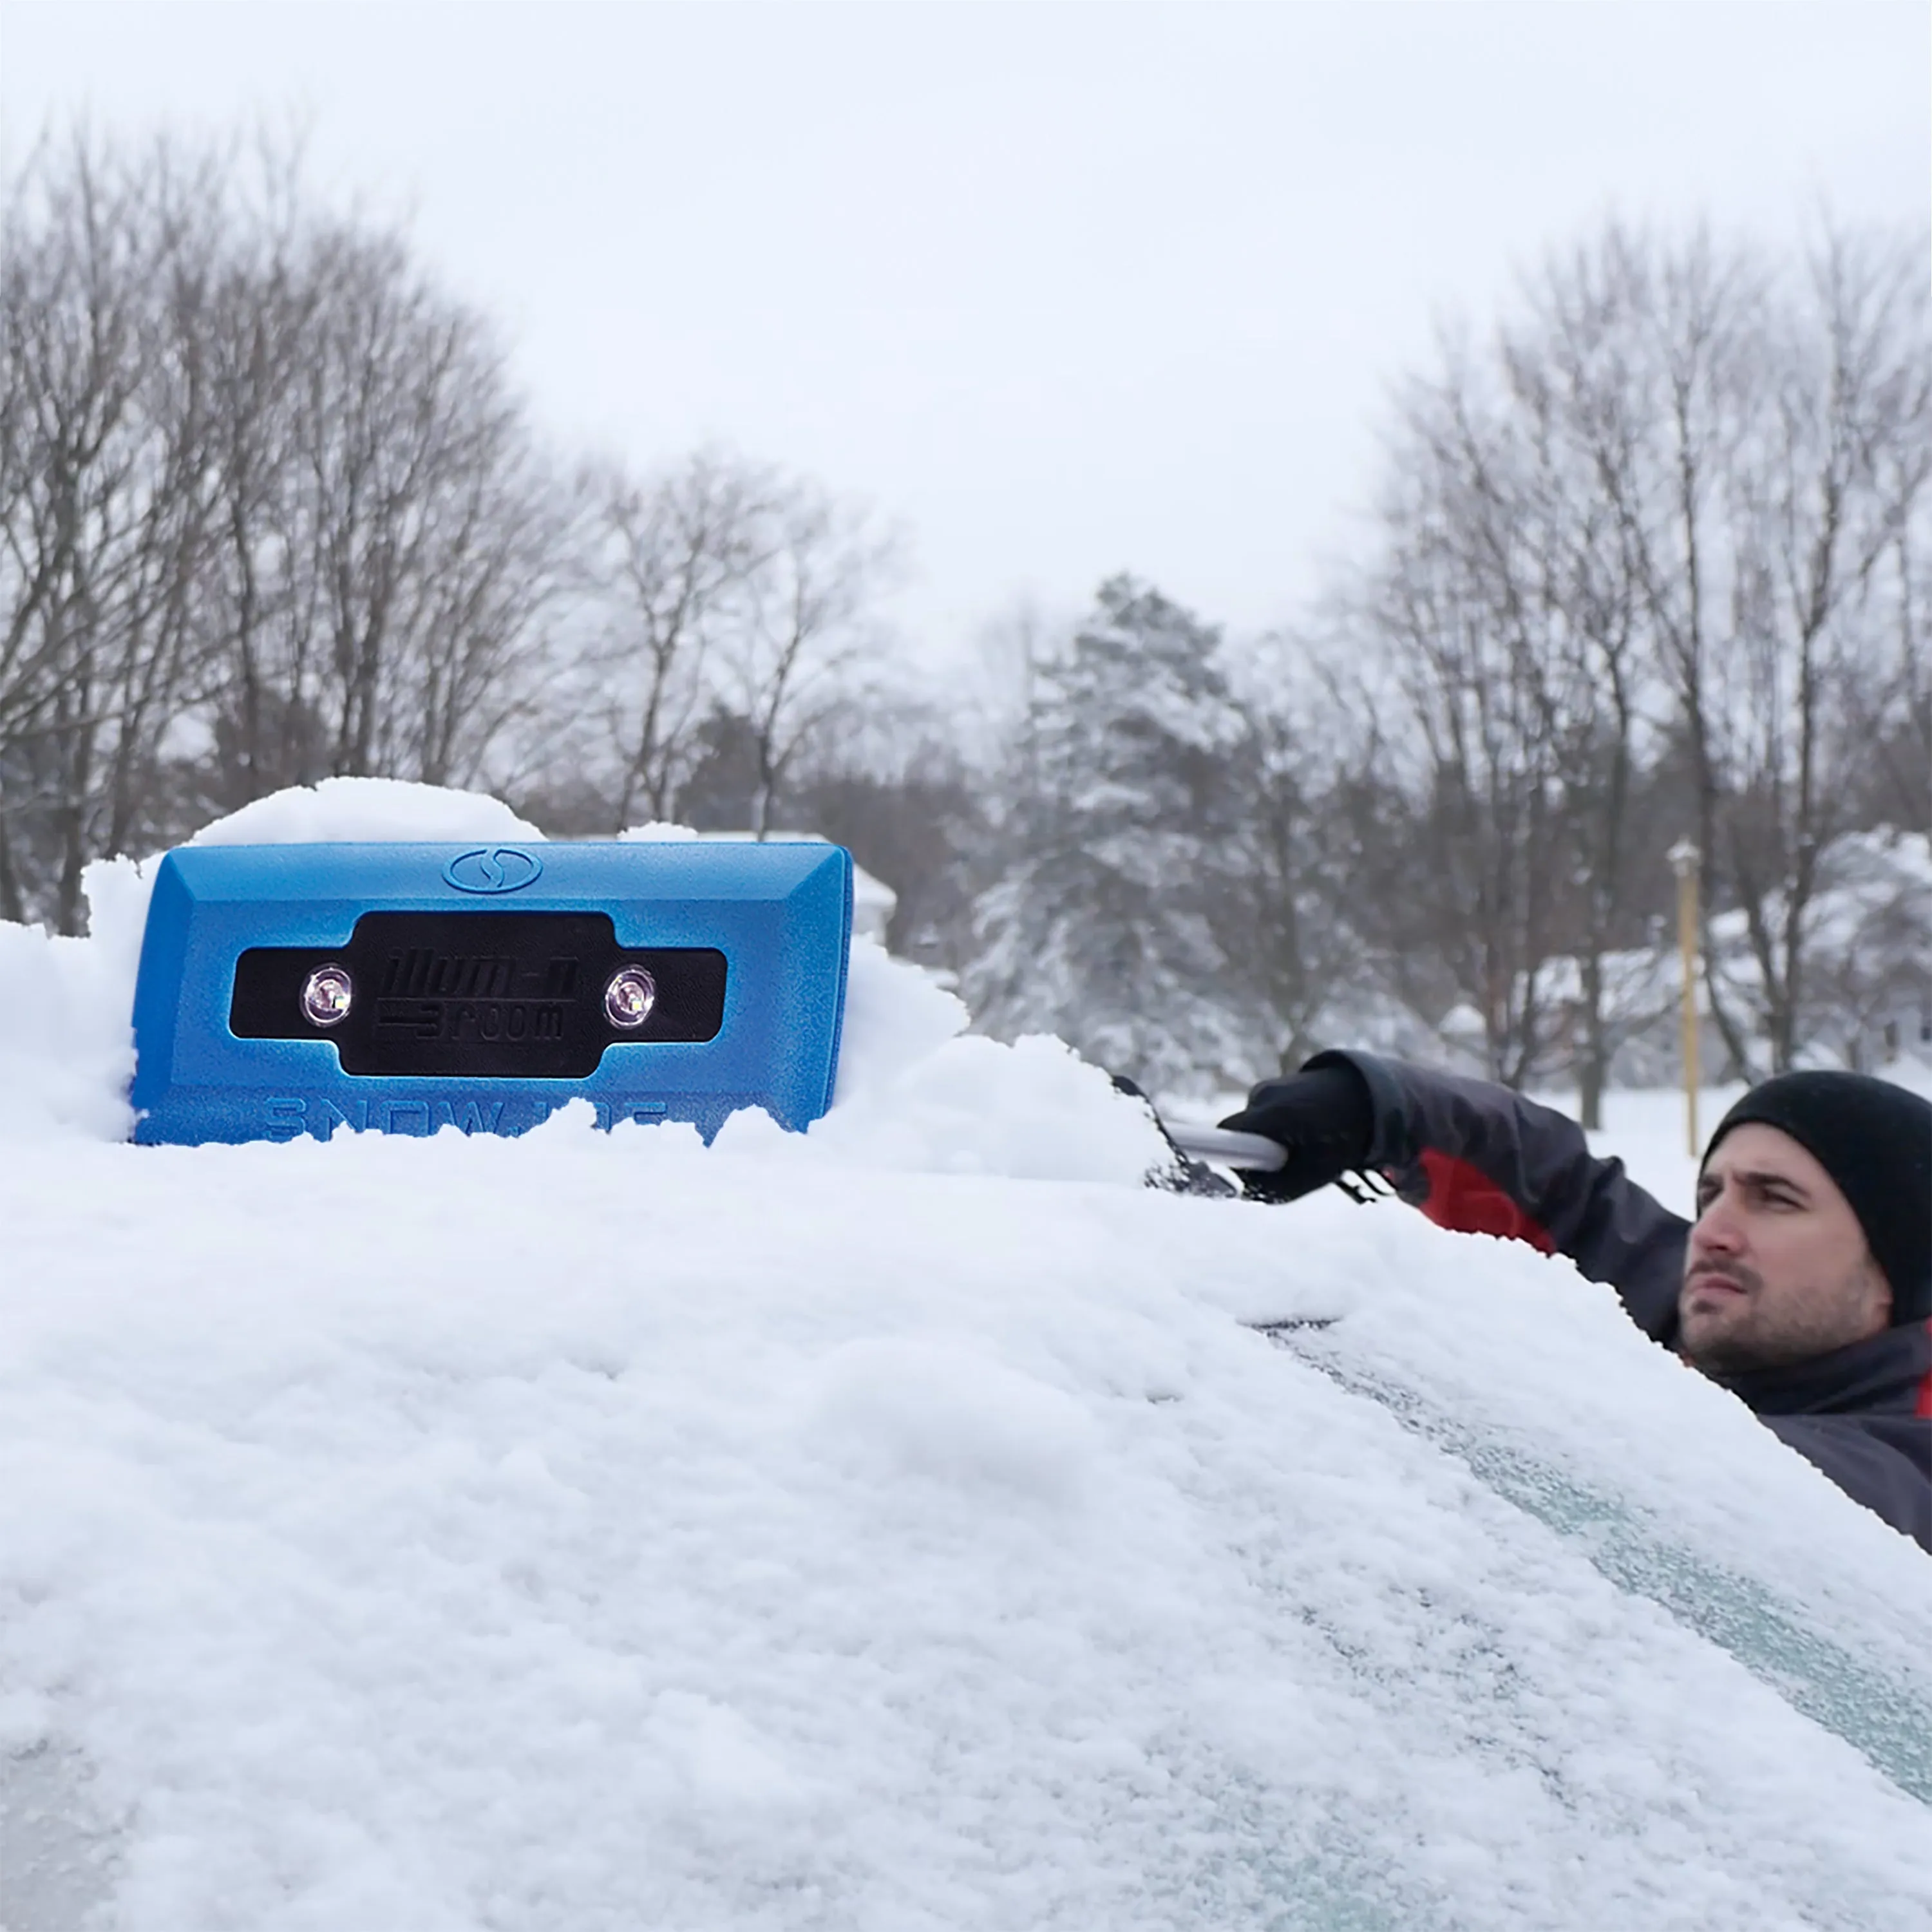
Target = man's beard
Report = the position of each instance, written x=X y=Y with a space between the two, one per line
x=1728 y=1351
x=1814 y=1326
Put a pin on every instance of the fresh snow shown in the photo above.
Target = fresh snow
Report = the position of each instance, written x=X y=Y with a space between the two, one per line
x=913 y=1523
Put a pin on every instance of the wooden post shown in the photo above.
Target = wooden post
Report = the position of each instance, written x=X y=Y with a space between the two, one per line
x=1684 y=860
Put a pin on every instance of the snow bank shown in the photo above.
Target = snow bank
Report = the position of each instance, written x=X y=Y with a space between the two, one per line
x=914 y=1094
x=599 y=1531
x=67 y=1047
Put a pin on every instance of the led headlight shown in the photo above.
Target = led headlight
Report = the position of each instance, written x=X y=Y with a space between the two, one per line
x=327 y=994
x=629 y=997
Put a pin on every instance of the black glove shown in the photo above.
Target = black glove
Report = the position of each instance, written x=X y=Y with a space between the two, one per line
x=1326 y=1121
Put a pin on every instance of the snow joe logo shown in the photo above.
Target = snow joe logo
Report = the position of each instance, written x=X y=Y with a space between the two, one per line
x=492 y=868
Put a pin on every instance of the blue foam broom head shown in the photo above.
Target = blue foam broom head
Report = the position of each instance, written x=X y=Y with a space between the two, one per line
x=292 y=989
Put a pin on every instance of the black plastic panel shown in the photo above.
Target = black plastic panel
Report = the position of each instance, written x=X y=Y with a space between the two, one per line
x=481 y=995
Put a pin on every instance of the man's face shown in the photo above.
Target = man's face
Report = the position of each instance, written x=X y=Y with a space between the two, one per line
x=1777 y=1269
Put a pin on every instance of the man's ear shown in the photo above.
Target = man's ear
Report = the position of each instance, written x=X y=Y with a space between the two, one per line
x=1882 y=1299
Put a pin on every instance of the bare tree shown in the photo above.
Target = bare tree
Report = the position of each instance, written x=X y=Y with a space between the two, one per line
x=267 y=727
x=1774 y=467
x=1283 y=913
x=677 y=555
x=268 y=509
x=1832 y=482
x=805 y=631
x=1565 y=376
x=1671 y=521
x=107 y=263
x=1458 y=612
x=725 y=621
x=423 y=521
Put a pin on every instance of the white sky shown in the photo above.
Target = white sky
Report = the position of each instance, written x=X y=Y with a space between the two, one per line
x=1066 y=288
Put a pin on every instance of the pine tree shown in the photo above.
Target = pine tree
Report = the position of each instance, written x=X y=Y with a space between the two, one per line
x=1103 y=927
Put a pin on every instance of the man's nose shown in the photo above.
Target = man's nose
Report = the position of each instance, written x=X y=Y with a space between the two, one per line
x=1718 y=1231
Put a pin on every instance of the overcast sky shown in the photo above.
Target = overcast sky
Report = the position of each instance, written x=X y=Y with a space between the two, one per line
x=1064 y=289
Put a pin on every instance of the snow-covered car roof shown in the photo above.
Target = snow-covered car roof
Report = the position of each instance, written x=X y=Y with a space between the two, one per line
x=912 y=1523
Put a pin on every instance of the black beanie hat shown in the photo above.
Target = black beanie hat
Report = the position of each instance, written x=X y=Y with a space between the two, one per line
x=1874 y=1139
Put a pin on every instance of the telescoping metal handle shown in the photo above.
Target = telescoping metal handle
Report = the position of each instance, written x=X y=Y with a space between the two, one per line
x=1254 y=1151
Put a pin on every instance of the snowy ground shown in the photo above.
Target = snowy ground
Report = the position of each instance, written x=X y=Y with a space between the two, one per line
x=903 y=1526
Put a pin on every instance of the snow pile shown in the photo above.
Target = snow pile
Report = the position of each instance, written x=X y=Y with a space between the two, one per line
x=599 y=1531
x=914 y=1092
x=67 y=1048
x=339 y=811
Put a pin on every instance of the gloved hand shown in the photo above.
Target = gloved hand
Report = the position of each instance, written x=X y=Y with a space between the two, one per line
x=1325 y=1119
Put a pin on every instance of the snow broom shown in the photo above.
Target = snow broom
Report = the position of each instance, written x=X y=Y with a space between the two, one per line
x=1255 y=1152
x=1199 y=1151
x=286 y=990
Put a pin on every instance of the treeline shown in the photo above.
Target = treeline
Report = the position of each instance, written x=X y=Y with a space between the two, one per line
x=273 y=512
x=1652 y=562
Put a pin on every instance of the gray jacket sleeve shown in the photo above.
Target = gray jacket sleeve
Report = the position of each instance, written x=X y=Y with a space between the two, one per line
x=1884 y=1461
x=1476 y=1157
